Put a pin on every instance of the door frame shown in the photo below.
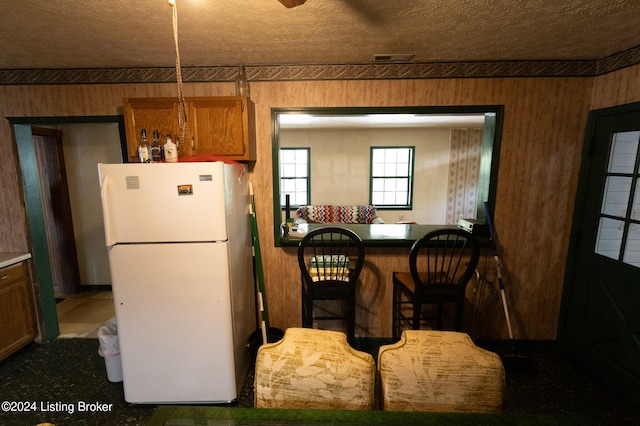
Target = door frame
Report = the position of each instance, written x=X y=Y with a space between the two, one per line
x=23 y=136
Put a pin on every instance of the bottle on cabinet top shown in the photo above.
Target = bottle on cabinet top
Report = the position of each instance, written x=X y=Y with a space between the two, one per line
x=143 y=148
x=156 y=150
x=170 y=151
x=242 y=84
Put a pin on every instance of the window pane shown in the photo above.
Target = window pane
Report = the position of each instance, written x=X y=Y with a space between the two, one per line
x=301 y=185
x=301 y=155
x=390 y=169
x=296 y=199
x=609 y=237
x=378 y=156
x=632 y=249
x=390 y=156
x=378 y=169
x=389 y=198
x=616 y=196
x=289 y=170
x=301 y=170
x=623 y=152
x=288 y=185
x=288 y=156
x=635 y=206
x=377 y=185
x=402 y=185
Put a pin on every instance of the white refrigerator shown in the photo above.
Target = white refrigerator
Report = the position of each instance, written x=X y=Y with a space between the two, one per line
x=179 y=243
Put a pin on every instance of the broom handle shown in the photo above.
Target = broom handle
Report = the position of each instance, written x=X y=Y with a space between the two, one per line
x=262 y=302
x=494 y=246
x=504 y=298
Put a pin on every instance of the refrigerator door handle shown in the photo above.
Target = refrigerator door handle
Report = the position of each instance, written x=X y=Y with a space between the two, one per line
x=104 y=191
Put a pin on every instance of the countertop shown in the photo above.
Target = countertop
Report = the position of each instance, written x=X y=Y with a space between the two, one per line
x=377 y=235
x=8 y=259
x=394 y=235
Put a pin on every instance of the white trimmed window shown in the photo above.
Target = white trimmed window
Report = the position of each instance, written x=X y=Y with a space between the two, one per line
x=392 y=177
x=294 y=176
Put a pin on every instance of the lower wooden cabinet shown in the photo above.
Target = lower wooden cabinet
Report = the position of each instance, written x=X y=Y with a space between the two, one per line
x=17 y=319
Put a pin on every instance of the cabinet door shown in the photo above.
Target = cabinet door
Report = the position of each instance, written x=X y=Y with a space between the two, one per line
x=16 y=310
x=150 y=114
x=221 y=126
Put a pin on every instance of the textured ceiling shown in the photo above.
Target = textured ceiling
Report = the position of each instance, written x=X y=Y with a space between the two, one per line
x=138 y=33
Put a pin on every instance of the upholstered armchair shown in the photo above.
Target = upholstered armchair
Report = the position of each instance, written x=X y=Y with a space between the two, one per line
x=312 y=368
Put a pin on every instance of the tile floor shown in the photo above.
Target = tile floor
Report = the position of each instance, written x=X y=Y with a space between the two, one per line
x=80 y=315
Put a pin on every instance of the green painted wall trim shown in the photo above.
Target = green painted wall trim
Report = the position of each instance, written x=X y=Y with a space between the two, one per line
x=33 y=199
x=491 y=140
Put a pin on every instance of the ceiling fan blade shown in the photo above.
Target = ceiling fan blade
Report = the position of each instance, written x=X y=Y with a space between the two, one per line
x=292 y=3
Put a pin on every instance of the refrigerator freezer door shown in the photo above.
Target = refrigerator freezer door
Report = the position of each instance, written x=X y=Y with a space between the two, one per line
x=173 y=313
x=163 y=202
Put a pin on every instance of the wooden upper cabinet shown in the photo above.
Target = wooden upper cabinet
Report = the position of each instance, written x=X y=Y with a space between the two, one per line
x=216 y=125
x=221 y=126
x=150 y=114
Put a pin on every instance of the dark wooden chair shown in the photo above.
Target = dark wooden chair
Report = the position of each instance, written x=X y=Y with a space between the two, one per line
x=330 y=262
x=441 y=263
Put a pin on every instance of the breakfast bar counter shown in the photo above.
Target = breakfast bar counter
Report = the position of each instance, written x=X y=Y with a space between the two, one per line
x=373 y=235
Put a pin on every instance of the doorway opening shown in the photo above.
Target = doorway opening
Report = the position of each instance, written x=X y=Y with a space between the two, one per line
x=64 y=161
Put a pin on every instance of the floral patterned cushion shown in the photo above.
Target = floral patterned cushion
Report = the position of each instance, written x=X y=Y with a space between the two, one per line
x=312 y=368
x=439 y=371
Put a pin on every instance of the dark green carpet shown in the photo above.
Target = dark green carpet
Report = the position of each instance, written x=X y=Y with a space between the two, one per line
x=64 y=374
x=59 y=378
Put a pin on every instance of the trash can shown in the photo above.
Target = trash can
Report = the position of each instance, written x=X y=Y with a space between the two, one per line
x=110 y=350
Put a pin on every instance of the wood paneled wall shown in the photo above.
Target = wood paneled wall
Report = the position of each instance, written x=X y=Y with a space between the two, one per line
x=542 y=139
x=541 y=146
x=617 y=88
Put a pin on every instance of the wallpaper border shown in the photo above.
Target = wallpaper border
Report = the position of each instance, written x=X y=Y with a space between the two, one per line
x=369 y=71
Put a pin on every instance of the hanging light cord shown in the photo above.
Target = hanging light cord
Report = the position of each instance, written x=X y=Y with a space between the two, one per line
x=182 y=110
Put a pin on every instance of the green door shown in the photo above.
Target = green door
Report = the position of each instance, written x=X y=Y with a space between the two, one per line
x=601 y=305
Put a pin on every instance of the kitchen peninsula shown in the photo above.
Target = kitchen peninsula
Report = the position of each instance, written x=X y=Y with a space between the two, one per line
x=373 y=235
x=387 y=248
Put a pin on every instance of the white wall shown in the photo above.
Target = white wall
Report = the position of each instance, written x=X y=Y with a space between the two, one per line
x=86 y=145
x=340 y=162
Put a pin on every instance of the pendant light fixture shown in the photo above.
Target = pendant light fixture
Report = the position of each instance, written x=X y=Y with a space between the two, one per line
x=292 y=3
